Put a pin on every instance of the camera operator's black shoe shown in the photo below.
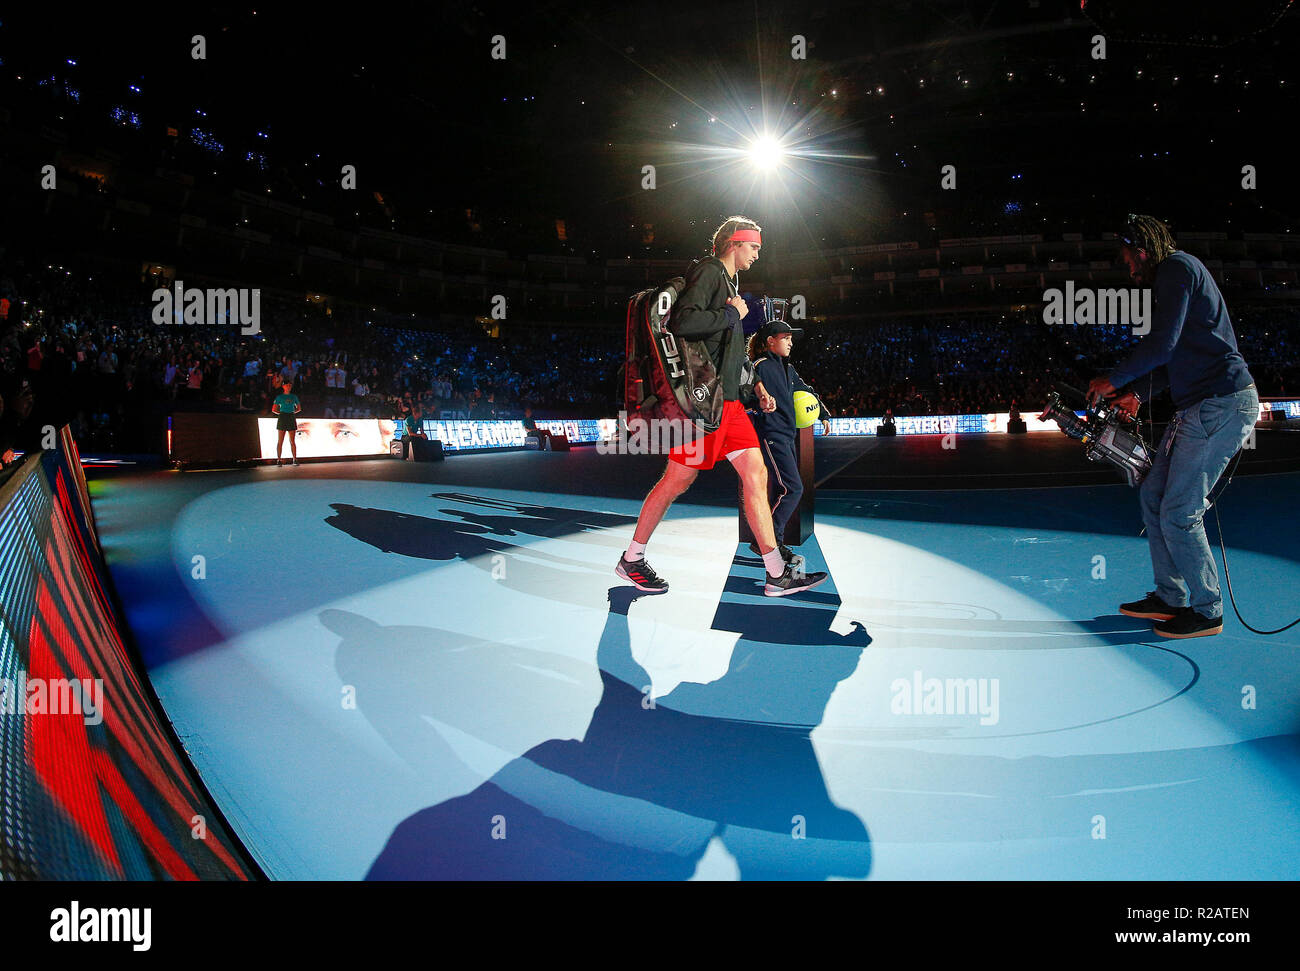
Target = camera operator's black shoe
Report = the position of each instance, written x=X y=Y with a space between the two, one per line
x=639 y=573
x=1188 y=623
x=1149 y=607
x=787 y=554
x=791 y=582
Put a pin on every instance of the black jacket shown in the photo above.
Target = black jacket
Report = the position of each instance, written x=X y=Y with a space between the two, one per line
x=702 y=313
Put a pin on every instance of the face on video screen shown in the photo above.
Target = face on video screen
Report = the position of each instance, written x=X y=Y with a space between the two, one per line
x=326 y=437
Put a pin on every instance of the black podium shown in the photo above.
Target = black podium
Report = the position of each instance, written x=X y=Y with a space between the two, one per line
x=800 y=526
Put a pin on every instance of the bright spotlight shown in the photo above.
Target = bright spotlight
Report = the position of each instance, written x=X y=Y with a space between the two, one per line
x=766 y=153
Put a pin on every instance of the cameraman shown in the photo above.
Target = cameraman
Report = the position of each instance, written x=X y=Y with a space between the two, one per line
x=1191 y=350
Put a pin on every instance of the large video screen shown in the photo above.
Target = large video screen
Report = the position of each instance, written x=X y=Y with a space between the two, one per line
x=1289 y=408
x=464 y=434
x=91 y=786
x=329 y=437
x=581 y=431
x=991 y=423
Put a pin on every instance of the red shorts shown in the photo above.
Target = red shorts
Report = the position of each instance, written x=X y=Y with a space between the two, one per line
x=734 y=434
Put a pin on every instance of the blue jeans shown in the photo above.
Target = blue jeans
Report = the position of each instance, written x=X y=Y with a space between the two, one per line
x=1205 y=437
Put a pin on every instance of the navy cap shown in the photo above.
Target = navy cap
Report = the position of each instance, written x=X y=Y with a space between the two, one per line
x=774 y=328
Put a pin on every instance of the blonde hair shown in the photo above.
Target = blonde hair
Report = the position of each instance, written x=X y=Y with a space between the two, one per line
x=722 y=238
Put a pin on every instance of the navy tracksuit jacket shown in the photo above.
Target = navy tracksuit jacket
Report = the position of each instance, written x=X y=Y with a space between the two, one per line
x=776 y=433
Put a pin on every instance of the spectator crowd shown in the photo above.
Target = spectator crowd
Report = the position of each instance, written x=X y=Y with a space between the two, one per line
x=74 y=348
x=84 y=350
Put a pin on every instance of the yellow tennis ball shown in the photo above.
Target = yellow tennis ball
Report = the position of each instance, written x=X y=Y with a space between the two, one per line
x=806 y=409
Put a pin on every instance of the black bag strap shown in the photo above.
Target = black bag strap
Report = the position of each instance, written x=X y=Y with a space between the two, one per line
x=733 y=287
x=735 y=292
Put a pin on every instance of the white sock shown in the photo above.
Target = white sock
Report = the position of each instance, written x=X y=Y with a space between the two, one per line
x=772 y=560
x=635 y=552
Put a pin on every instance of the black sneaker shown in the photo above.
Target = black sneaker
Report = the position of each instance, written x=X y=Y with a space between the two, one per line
x=1149 y=607
x=640 y=574
x=791 y=582
x=787 y=554
x=1188 y=623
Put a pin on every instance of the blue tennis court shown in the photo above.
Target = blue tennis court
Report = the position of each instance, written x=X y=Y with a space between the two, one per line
x=435 y=674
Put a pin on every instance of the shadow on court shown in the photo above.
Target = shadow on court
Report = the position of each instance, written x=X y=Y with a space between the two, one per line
x=653 y=780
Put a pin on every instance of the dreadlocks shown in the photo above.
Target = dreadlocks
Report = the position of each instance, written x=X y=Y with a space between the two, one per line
x=1153 y=236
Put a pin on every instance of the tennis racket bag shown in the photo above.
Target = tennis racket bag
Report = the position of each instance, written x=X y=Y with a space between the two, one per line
x=668 y=377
